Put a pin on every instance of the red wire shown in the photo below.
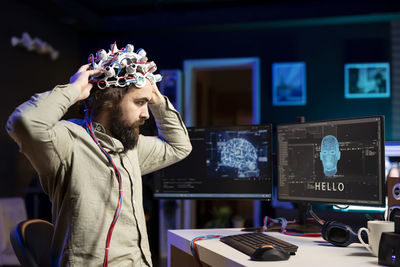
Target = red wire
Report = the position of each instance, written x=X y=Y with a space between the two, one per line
x=119 y=206
x=149 y=70
x=194 y=250
x=109 y=62
x=196 y=254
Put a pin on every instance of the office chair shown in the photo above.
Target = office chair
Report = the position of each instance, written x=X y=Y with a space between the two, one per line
x=31 y=240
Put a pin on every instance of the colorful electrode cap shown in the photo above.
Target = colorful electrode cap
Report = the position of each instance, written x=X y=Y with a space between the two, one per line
x=122 y=67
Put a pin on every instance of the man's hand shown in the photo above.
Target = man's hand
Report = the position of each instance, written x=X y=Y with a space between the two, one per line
x=80 y=80
x=156 y=97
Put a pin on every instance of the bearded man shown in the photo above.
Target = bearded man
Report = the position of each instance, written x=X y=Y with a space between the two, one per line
x=91 y=169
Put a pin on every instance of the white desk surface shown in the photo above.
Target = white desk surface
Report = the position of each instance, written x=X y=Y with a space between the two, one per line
x=312 y=251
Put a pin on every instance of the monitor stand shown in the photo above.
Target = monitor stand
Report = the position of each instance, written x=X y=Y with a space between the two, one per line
x=302 y=226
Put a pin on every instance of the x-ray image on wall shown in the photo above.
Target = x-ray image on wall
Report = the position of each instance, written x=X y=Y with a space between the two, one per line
x=367 y=80
x=289 y=83
x=236 y=154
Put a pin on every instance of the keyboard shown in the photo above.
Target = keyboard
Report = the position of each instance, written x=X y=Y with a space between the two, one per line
x=249 y=242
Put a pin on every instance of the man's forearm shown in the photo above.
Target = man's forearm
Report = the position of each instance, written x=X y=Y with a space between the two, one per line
x=170 y=126
x=39 y=114
x=173 y=143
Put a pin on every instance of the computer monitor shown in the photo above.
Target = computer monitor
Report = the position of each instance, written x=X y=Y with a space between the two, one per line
x=231 y=162
x=332 y=162
x=392 y=159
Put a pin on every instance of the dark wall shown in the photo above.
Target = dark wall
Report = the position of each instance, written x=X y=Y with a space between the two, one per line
x=26 y=73
x=325 y=49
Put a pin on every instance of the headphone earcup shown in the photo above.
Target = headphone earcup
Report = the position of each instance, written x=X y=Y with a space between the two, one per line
x=324 y=229
x=338 y=234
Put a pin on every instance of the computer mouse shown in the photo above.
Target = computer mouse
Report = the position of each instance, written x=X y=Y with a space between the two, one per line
x=270 y=253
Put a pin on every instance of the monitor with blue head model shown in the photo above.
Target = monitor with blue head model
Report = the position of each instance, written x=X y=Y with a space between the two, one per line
x=332 y=162
x=231 y=162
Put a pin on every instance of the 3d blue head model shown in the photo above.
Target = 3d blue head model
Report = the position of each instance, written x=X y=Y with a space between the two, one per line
x=329 y=155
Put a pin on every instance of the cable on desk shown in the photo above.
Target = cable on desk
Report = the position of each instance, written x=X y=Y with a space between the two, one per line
x=268 y=222
x=193 y=247
x=369 y=217
x=315 y=216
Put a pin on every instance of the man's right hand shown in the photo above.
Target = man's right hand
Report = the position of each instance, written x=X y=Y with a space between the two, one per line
x=80 y=80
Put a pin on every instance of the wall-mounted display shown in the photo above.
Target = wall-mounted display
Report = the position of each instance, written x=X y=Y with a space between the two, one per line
x=367 y=80
x=289 y=84
x=171 y=86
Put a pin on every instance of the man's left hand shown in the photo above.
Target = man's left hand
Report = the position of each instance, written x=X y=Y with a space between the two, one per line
x=157 y=97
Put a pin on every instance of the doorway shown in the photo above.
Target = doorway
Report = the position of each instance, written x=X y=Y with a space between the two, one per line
x=220 y=92
x=215 y=77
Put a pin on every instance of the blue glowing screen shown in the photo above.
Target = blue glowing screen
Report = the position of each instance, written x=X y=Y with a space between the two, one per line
x=334 y=161
x=329 y=155
x=367 y=80
x=289 y=83
x=232 y=162
x=237 y=154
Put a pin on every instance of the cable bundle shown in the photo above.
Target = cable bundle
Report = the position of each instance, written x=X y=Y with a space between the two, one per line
x=90 y=130
x=193 y=247
x=268 y=222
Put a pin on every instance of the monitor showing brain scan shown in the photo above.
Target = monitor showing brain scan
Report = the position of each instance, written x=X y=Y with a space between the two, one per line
x=333 y=162
x=241 y=155
x=236 y=154
x=225 y=162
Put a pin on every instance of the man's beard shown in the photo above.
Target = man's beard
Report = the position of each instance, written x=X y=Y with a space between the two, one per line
x=127 y=133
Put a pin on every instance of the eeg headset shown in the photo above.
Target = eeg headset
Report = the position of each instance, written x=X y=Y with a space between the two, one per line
x=122 y=67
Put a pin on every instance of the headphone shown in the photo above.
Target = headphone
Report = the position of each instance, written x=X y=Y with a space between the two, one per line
x=392 y=212
x=338 y=234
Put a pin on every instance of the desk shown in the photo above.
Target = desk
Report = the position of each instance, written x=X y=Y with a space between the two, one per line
x=312 y=251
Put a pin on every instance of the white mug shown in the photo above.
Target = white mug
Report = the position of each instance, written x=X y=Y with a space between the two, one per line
x=374 y=232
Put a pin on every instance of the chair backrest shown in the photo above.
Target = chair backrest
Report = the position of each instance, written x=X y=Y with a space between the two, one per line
x=31 y=241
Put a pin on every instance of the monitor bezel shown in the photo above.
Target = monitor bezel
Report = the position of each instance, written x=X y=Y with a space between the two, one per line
x=380 y=203
x=217 y=196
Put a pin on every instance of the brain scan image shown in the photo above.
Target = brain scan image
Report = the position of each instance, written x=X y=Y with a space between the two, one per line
x=237 y=153
x=330 y=155
x=240 y=154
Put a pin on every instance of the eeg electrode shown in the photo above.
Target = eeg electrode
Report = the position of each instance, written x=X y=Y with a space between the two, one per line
x=122 y=67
